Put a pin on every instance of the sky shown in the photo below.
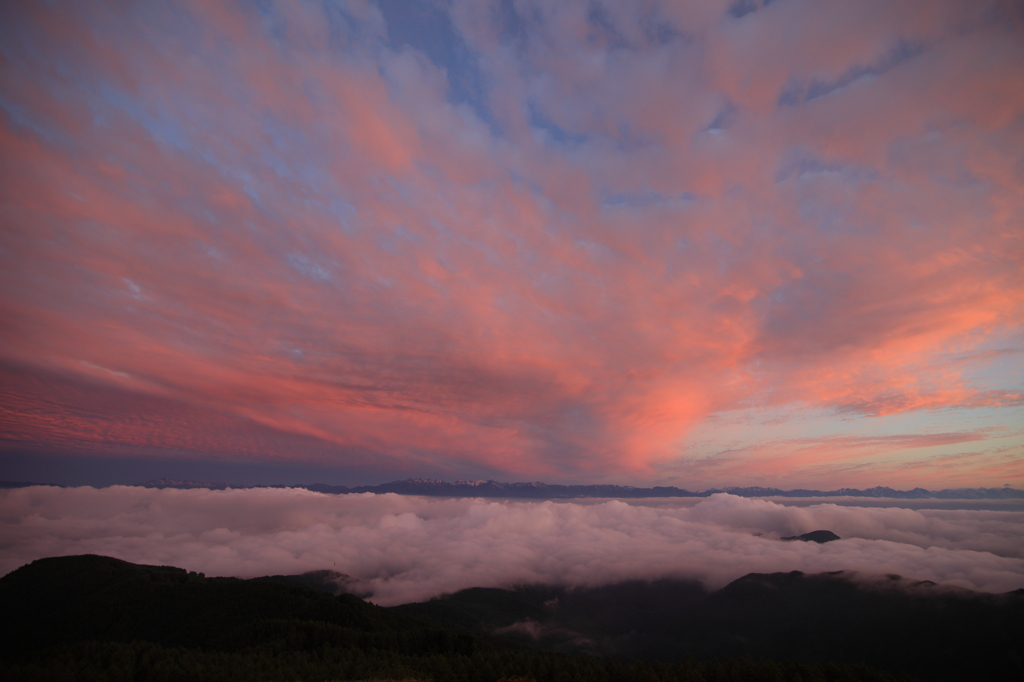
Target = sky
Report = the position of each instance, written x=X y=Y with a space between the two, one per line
x=651 y=243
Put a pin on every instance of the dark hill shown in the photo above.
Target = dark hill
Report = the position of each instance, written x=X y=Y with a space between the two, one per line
x=927 y=630
x=918 y=628
x=96 y=618
x=330 y=582
x=819 y=536
x=71 y=599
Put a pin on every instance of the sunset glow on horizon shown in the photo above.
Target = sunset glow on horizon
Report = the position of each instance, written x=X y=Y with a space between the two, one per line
x=648 y=242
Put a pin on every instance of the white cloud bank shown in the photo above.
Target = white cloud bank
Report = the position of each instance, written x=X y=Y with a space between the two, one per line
x=413 y=548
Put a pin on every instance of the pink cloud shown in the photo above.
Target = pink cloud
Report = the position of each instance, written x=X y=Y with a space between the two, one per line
x=293 y=225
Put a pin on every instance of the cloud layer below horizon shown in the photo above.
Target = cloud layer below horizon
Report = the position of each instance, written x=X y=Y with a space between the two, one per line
x=707 y=243
x=405 y=549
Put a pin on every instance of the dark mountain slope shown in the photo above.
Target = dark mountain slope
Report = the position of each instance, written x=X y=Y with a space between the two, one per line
x=96 y=618
x=330 y=582
x=929 y=631
x=819 y=536
x=70 y=599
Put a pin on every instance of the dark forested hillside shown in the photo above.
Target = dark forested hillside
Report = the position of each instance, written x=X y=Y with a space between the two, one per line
x=928 y=631
x=96 y=618
x=72 y=599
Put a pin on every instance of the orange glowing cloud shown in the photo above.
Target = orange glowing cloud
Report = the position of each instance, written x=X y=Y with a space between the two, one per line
x=552 y=246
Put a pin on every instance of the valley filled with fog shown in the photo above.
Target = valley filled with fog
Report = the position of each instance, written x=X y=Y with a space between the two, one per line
x=403 y=549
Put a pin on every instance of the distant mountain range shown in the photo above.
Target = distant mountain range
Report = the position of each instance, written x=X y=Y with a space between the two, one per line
x=545 y=491
x=539 y=490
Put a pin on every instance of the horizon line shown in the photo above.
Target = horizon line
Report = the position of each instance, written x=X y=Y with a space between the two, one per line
x=440 y=487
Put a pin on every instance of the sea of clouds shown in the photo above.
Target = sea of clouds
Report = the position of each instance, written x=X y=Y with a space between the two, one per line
x=403 y=548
